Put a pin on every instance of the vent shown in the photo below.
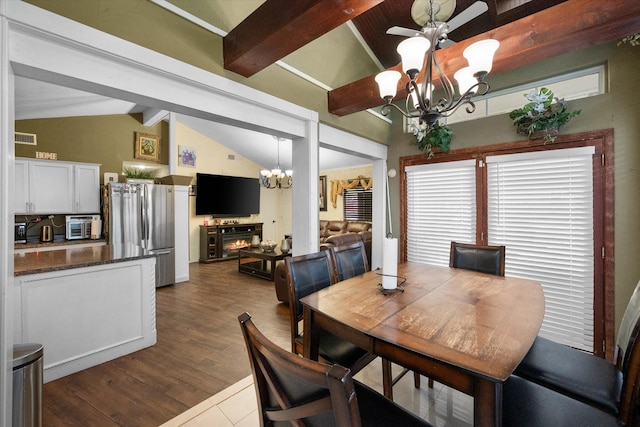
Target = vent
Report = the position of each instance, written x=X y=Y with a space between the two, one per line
x=25 y=138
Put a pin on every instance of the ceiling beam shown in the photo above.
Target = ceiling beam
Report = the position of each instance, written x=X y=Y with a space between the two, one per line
x=567 y=27
x=279 y=27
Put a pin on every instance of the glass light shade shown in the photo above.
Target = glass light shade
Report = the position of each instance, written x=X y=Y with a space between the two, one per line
x=276 y=172
x=414 y=95
x=465 y=80
x=265 y=173
x=288 y=172
x=388 y=83
x=412 y=52
x=480 y=55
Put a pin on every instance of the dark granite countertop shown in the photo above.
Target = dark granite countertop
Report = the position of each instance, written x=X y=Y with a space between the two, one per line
x=64 y=259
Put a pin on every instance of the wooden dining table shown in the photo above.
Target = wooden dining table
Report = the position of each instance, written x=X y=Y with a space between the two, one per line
x=465 y=329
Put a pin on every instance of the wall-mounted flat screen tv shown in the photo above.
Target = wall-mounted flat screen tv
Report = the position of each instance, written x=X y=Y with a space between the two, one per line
x=227 y=196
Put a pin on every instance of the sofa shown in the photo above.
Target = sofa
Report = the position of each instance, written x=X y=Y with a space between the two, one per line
x=333 y=227
x=332 y=233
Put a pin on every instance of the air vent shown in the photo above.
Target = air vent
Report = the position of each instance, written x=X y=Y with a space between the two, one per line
x=25 y=138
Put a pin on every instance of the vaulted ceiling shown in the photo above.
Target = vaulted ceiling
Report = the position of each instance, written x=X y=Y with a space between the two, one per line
x=529 y=31
x=263 y=32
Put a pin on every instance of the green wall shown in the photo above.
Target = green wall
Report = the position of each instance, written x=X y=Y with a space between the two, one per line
x=108 y=140
x=148 y=25
x=619 y=109
x=151 y=26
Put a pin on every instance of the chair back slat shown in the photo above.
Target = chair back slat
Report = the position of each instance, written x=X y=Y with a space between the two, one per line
x=627 y=325
x=628 y=357
x=481 y=258
x=350 y=260
x=293 y=389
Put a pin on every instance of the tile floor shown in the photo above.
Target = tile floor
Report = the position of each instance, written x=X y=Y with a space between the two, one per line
x=236 y=405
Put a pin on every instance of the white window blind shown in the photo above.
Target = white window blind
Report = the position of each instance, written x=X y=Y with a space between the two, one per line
x=540 y=205
x=441 y=207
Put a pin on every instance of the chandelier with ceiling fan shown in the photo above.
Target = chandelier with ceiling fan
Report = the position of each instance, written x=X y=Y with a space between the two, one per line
x=276 y=178
x=420 y=103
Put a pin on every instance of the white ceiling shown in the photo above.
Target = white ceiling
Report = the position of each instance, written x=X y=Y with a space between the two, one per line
x=38 y=100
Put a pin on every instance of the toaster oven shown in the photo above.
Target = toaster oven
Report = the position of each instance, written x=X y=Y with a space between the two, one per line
x=79 y=226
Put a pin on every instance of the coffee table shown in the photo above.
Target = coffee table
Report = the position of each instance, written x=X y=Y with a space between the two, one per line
x=255 y=262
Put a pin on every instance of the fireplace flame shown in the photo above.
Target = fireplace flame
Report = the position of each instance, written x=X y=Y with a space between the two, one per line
x=238 y=244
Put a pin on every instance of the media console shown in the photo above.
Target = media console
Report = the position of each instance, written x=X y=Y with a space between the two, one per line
x=221 y=242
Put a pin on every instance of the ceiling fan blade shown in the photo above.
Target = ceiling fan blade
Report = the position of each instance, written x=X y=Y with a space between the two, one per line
x=446 y=43
x=473 y=11
x=404 y=32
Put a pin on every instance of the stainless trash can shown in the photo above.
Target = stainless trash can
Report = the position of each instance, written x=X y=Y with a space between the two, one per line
x=27 y=385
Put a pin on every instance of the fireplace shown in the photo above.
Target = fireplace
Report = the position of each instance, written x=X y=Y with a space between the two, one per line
x=223 y=241
x=232 y=243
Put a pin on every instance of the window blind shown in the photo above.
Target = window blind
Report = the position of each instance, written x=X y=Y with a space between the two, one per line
x=441 y=208
x=540 y=205
x=358 y=204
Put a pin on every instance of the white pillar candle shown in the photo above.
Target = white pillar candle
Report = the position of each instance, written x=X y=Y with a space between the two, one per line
x=390 y=263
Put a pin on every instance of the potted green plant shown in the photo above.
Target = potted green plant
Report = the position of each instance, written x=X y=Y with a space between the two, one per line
x=633 y=40
x=139 y=175
x=542 y=116
x=428 y=138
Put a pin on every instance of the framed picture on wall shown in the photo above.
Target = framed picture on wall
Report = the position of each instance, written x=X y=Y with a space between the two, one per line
x=322 y=193
x=147 y=147
x=186 y=156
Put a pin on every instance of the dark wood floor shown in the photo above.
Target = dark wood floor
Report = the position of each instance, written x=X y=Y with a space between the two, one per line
x=200 y=351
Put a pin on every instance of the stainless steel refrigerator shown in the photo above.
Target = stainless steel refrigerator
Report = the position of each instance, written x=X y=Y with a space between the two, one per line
x=143 y=215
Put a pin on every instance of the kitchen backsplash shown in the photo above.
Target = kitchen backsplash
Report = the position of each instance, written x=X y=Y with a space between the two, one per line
x=35 y=223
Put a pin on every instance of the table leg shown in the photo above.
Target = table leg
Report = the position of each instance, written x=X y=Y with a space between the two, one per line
x=487 y=403
x=272 y=270
x=387 y=379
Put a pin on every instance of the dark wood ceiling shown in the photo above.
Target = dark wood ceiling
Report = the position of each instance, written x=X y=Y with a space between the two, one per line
x=529 y=31
x=374 y=23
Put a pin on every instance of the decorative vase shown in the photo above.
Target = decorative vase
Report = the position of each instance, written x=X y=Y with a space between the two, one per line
x=284 y=246
x=255 y=241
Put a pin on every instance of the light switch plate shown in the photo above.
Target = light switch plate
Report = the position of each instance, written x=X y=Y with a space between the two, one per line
x=110 y=177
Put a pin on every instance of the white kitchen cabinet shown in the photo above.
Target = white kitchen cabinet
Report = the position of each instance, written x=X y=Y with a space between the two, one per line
x=21 y=187
x=86 y=316
x=53 y=187
x=87 y=188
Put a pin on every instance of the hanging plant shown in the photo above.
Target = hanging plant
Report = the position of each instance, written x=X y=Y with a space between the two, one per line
x=542 y=116
x=437 y=136
x=633 y=40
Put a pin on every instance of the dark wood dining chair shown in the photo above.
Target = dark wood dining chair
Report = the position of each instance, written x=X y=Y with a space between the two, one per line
x=350 y=261
x=308 y=274
x=481 y=258
x=611 y=387
x=295 y=391
x=527 y=404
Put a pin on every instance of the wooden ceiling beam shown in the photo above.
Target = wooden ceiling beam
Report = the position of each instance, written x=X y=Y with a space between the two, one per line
x=279 y=27
x=563 y=28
